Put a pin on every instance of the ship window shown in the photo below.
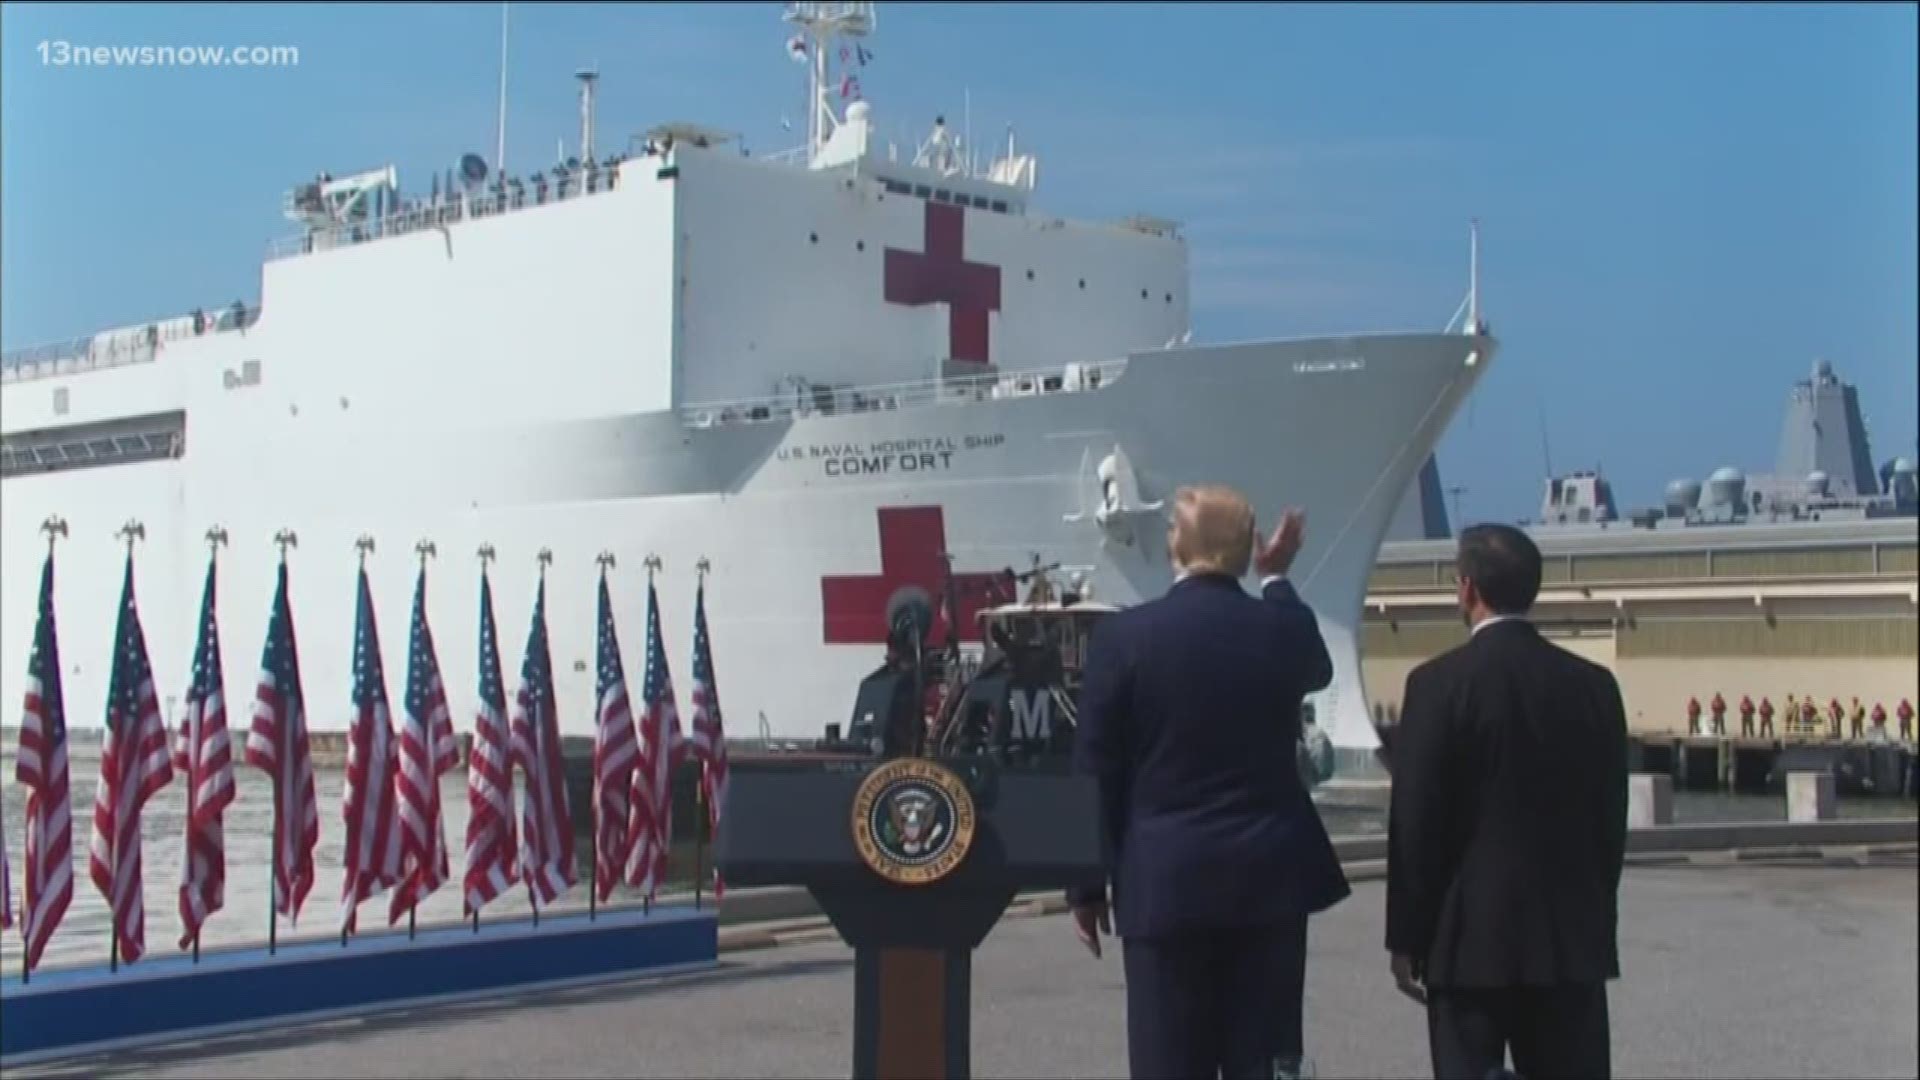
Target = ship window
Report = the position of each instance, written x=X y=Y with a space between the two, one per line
x=1029 y=275
x=813 y=238
x=999 y=206
x=1083 y=283
x=922 y=191
x=859 y=245
x=153 y=437
x=943 y=195
x=898 y=188
x=60 y=401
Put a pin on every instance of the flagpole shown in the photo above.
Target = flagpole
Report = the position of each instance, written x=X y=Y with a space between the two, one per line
x=699 y=833
x=539 y=731
x=646 y=903
x=55 y=526
x=130 y=532
x=364 y=545
x=284 y=539
x=606 y=561
x=485 y=554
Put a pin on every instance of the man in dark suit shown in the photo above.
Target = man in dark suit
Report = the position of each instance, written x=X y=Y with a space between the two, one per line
x=1189 y=714
x=1507 y=832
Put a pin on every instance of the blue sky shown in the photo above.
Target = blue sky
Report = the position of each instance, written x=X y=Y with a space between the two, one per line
x=1683 y=206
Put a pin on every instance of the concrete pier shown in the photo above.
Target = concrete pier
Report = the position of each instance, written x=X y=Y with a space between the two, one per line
x=1760 y=765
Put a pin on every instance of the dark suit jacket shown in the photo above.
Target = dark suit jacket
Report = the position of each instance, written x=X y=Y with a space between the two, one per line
x=1189 y=714
x=1508 y=823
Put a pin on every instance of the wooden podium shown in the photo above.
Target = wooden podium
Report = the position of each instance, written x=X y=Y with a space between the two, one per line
x=913 y=860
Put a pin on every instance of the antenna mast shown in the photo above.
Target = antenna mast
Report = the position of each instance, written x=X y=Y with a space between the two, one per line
x=587 y=77
x=821 y=26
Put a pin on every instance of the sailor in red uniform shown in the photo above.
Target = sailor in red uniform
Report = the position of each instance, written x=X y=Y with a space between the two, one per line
x=1719 y=708
x=1746 y=716
x=1880 y=717
x=1693 y=716
x=1766 y=717
x=1905 y=713
x=1859 y=719
x=1809 y=716
x=1834 y=713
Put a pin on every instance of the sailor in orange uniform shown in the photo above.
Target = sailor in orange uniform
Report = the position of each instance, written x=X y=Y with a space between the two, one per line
x=1880 y=717
x=1834 y=713
x=1719 y=709
x=1746 y=717
x=1905 y=713
x=1859 y=719
x=1766 y=716
x=1693 y=716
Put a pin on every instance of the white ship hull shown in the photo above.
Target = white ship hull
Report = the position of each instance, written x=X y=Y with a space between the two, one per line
x=780 y=509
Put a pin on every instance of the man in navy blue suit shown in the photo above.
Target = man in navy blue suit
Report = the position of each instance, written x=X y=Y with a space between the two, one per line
x=1189 y=715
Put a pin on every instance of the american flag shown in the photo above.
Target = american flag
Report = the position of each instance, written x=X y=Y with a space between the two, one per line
x=661 y=749
x=709 y=743
x=427 y=751
x=490 y=840
x=278 y=746
x=546 y=826
x=134 y=764
x=41 y=768
x=614 y=749
x=372 y=854
x=203 y=754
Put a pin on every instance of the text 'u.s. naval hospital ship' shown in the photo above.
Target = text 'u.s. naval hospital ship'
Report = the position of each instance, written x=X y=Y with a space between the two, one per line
x=826 y=372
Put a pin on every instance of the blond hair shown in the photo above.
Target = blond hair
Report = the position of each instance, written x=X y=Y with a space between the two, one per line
x=1212 y=531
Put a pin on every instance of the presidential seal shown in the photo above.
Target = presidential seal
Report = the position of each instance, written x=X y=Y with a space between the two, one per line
x=913 y=821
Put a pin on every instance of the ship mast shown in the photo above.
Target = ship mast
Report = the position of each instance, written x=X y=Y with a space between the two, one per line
x=822 y=25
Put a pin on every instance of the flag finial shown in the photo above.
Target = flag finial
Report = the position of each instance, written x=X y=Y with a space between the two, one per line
x=486 y=554
x=653 y=564
x=365 y=544
x=546 y=560
x=216 y=536
x=426 y=549
x=286 y=538
x=702 y=566
x=133 y=530
x=54 y=526
x=606 y=561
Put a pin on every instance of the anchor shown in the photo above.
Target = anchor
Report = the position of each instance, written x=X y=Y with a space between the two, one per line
x=1121 y=513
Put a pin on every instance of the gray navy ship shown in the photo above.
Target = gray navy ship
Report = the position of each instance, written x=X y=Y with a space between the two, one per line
x=1823 y=472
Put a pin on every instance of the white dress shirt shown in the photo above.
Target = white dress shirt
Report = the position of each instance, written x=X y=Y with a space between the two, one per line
x=1491 y=619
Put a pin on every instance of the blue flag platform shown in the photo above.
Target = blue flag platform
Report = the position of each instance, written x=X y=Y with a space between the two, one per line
x=68 y=1011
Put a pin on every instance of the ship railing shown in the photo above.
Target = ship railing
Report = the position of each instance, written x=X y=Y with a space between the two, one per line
x=838 y=400
x=793 y=155
x=117 y=348
x=561 y=185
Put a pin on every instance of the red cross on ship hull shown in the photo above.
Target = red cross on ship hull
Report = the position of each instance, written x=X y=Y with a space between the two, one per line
x=941 y=274
x=912 y=540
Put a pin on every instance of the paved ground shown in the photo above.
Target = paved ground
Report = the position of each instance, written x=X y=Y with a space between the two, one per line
x=1738 y=970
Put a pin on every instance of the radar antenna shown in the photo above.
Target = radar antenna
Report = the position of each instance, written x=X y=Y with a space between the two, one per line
x=821 y=27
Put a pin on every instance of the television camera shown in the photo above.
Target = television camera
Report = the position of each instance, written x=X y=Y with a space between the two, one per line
x=1014 y=700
